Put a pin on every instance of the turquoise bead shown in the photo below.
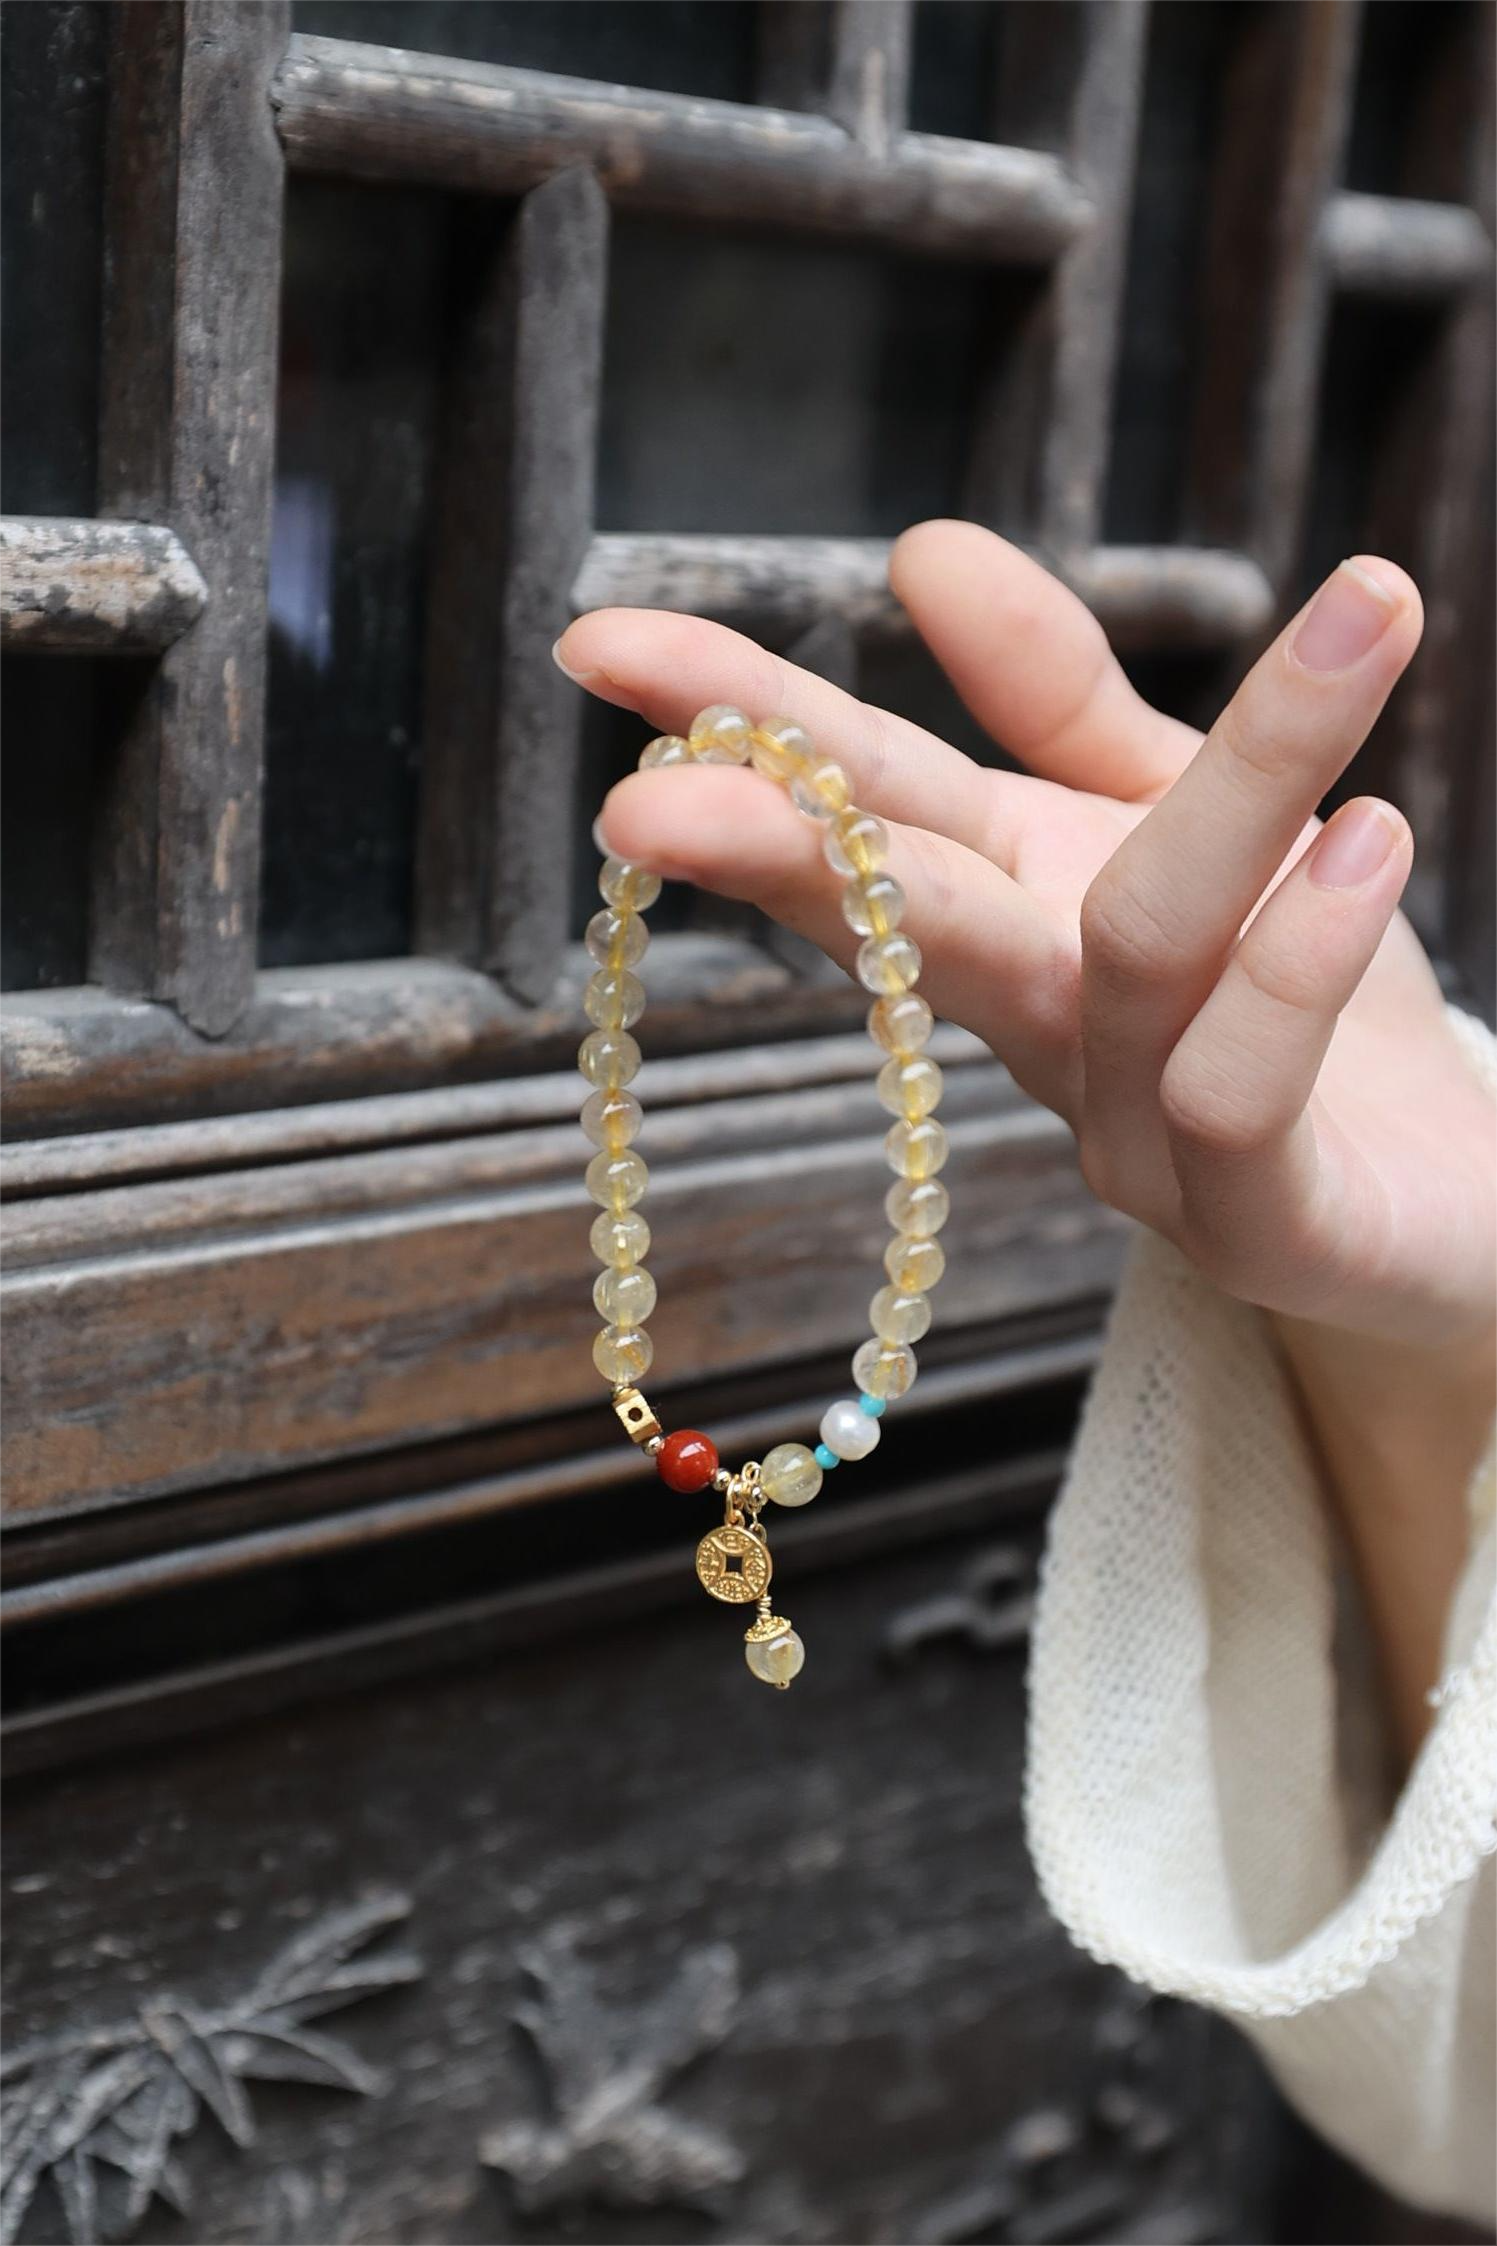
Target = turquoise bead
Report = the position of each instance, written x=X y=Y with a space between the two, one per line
x=826 y=1458
x=874 y=1406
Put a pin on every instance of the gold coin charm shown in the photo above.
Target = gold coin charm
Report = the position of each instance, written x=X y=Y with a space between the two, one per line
x=733 y=1565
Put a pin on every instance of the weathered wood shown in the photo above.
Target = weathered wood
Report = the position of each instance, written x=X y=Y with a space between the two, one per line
x=1174 y=597
x=870 y=71
x=1101 y=148
x=371 y=1317
x=94 y=588
x=1263 y=318
x=1150 y=596
x=502 y=724
x=380 y=113
x=80 y=1059
x=1403 y=250
x=187 y=439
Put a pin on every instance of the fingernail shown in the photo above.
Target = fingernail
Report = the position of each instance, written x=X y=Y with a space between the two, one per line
x=1350 y=850
x=578 y=678
x=1350 y=615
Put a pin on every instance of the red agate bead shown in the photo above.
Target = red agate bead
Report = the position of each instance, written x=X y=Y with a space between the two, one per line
x=686 y=1461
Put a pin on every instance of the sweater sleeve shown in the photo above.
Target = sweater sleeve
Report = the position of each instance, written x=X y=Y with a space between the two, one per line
x=1204 y=1798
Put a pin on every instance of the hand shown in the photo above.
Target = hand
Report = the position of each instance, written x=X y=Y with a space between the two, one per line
x=1220 y=999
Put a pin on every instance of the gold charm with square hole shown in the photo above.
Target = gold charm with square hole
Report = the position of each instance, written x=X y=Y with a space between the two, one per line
x=733 y=1565
x=635 y=1416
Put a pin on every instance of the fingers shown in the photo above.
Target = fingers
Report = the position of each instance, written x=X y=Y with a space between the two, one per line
x=1161 y=917
x=995 y=958
x=1236 y=1089
x=1032 y=663
x=668 y=667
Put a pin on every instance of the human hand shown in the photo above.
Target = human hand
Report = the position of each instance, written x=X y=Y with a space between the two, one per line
x=1223 y=1003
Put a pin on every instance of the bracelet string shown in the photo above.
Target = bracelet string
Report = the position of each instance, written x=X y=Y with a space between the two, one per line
x=733 y=1560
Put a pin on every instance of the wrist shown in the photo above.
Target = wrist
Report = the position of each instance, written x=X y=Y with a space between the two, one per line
x=1400 y=1430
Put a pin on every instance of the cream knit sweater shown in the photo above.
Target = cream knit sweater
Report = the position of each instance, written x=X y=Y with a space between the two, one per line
x=1204 y=1799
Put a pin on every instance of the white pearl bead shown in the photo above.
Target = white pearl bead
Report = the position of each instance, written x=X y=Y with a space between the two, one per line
x=847 y=1429
x=776 y=1660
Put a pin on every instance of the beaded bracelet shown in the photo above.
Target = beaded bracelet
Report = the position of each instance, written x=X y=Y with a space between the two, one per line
x=733 y=1561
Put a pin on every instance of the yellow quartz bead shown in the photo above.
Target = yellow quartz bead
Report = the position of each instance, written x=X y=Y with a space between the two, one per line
x=790 y=1474
x=910 y=1088
x=612 y=1118
x=821 y=790
x=872 y=907
x=623 y=1353
x=914 y=1266
x=919 y=1206
x=884 y=1368
x=620 y=1237
x=617 y=939
x=626 y=887
x=888 y=964
x=626 y=1298
x=666 y=748
x=917 y=1150
x=901 y=1024
x=720 y=735
x=609 y=1058
x=780 y=748
x=617 y=1181
x=614 y=998
x=856 y=843
x=898 y=1316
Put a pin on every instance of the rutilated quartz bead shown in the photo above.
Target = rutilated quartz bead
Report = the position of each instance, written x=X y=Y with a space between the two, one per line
x=917 y=1150
x=895 y=1315
x=720 y=735
x=612 y=1118
x=913 y=1265
x=884 y=1368
x=609 y=1058
x=887 y=965
x=626 y=887
x=627 y=1297
x=856 y=843
x=613 y=998
x=901 y=1023
x=777 y=1660
x=780 y=748
x=617 y=1181
x=910 y=1087
x=821 y=790
x=617 y=939
x=919 y=1206
x=620 y=1237
x=874 y=906
x=623 y=1354
x=790 y=1474
x=666 y=748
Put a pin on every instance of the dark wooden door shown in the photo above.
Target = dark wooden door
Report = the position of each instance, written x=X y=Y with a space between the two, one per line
x=354 y=347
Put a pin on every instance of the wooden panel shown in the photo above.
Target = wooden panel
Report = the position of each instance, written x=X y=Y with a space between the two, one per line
x=900 y=2044
x=187 y=439
x=374 y=1299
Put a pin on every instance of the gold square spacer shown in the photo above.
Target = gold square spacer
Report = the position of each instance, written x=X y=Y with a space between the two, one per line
x=635 y=1416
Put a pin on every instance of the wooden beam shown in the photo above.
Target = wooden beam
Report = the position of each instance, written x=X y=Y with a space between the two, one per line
x=187 y=439
x=94 y=588
x=1183 y=597
x=498 y=779
x=1403 y=250
x=380 y=113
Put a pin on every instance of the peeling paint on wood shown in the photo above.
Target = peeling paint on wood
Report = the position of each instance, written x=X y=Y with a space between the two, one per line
x=94 y=588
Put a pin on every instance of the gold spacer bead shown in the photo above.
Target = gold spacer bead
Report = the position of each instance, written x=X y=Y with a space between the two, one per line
x=635 y=1416
x=654 y=1446
x=722 y=1481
